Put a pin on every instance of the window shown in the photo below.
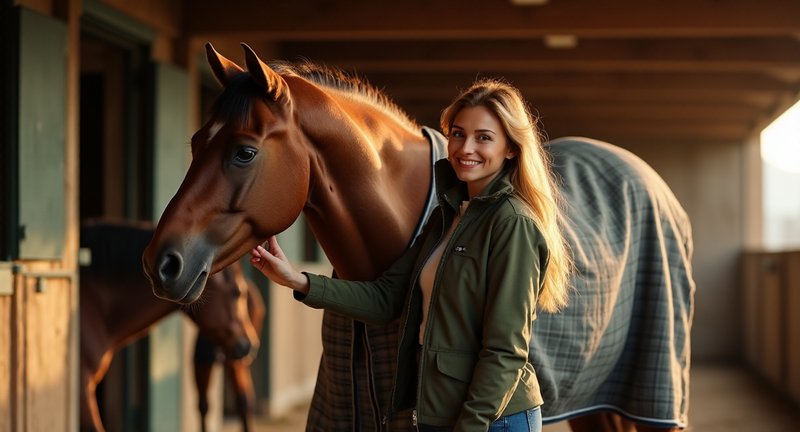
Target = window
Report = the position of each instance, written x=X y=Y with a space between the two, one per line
x=780 y=154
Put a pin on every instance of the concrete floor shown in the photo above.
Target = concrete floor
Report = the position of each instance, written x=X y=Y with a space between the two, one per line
x=724 y=398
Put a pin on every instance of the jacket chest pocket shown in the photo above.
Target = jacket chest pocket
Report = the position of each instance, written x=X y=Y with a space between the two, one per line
x=462 y=268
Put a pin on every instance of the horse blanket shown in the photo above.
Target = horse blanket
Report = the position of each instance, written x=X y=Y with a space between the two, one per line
x=623 y=342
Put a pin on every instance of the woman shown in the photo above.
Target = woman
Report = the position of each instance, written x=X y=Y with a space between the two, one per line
x=468 y=289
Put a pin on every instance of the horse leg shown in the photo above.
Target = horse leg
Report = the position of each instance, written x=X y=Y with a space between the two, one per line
x=202 y=379
x=601 y=422
x=90 y=414
x=240 y=376
x=204 y=359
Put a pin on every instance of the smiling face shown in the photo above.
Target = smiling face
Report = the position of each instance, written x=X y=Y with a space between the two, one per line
x=477 y=147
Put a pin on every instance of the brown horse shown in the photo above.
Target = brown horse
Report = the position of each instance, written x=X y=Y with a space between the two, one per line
x=207 y=355
x=117 y=308
x=285 y=139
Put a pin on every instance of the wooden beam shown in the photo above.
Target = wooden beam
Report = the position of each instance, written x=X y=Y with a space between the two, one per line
x=625 y=124
x=420 y=82
x=613 y=109
x=639 y=55
x=654 y=129
x=481 y=19
x=753 y=99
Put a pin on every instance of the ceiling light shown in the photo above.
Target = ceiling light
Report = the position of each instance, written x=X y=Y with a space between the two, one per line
x=560 y=41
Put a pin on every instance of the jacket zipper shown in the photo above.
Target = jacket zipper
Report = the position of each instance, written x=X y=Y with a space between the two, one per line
x=434 y=290
x=413 y=283
x=387 y=417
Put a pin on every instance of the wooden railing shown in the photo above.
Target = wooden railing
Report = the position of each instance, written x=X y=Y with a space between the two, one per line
x=771 y=317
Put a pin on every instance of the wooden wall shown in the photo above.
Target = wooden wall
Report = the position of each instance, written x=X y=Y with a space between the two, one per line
x=771 y=318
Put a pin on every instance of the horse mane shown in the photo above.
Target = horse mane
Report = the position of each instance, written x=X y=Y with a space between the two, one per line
x=234 y=101
x=116 y=246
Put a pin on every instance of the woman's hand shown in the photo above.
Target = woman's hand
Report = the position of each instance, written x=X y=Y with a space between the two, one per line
x=273 y=264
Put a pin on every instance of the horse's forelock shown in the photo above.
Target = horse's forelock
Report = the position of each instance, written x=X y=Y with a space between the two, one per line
x=235 y=102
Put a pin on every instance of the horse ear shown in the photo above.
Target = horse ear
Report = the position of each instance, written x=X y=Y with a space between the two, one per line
x=223 y=68
x=263 y=74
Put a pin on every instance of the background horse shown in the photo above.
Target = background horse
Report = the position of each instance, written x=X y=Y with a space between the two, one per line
x=117 y=308
x=288 y=138
x=206 y=356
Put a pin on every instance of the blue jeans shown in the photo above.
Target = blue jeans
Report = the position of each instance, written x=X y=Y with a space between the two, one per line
x=525 y=421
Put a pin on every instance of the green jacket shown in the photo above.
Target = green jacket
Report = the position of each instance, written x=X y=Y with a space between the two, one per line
x=474 y=359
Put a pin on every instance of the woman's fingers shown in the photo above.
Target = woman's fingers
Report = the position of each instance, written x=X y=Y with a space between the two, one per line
x=272 y=263
x=266 y=255
x=274 y=248
x=255 y=258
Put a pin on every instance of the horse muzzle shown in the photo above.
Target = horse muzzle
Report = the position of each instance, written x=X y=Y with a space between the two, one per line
x=178 y=274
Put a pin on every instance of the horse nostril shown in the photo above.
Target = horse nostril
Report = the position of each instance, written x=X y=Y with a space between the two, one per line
x=170 y=267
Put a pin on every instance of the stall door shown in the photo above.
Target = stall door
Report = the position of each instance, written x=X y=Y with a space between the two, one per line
x=38 y=295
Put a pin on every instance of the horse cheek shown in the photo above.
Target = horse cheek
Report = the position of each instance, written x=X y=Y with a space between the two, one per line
x=280 y=199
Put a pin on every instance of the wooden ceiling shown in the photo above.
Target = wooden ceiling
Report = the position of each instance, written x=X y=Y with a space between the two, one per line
x=641 y=71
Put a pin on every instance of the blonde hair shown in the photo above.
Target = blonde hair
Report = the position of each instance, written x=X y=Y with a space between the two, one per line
x=531 y=176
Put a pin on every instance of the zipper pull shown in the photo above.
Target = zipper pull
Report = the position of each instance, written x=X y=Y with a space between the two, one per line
x=414 y=418
x=384 y=419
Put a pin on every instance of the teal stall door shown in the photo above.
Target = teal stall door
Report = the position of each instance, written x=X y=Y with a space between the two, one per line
x=41 y=136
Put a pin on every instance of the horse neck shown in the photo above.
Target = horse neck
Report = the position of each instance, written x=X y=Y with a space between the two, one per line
x=370 y=175
x=129 y=307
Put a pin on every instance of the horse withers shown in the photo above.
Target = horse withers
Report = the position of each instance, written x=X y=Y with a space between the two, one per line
x=289 y=138
x=118 y=307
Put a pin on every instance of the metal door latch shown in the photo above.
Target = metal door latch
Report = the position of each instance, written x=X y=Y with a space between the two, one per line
x=8 y=270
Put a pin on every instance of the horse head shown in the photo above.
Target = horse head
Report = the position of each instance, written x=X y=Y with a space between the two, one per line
x=218 y=213
x=287 y=139
x=223 y=314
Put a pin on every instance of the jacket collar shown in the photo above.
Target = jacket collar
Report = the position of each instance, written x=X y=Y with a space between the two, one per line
x=454 y=191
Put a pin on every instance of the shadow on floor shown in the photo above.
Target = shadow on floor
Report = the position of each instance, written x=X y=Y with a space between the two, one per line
x=724 y=398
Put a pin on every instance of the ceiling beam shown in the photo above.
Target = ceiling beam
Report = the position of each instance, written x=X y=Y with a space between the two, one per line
x=781 y=55
x=625 y=129
x=615 y=109
x=447 y=81
x=754 y=99
x=481 y=19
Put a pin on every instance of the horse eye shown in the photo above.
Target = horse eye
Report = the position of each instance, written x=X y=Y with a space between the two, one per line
x=244 y=155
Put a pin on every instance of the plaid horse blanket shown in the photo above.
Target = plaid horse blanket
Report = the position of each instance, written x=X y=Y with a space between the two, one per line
x=622 y=344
